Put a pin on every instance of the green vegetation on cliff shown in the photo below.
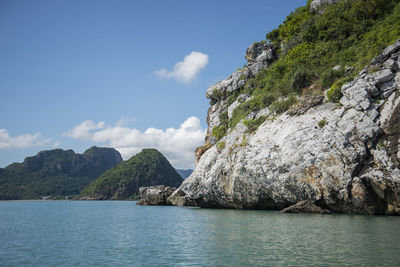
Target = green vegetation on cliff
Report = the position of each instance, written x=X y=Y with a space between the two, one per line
x=147 y=168
x=57 y=173
x=309 y=44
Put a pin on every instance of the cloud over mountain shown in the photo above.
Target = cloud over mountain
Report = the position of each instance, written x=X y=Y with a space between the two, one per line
x=21 y=141
x=177 y=144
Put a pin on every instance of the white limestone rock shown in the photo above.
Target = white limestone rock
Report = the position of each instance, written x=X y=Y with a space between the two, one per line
x=341 y=165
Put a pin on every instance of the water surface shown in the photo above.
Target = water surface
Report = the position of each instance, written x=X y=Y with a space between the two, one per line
x=119 y=233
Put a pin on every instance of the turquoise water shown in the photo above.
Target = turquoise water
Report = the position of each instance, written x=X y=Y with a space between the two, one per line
x=119 y=233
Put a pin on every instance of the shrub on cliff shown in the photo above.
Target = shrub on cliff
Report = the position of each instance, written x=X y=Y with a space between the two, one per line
x=302 y=79
x=253 y=124
x=282 y=105
x=334 y=93
x=220 y=130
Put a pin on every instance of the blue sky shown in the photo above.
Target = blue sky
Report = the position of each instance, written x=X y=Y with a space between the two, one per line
x=79 y=73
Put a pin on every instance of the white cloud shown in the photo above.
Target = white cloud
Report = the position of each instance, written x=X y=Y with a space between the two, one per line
x=82 y=130
x=177 y=145
x=186 y=70
x=21 y=141
x=125 y=121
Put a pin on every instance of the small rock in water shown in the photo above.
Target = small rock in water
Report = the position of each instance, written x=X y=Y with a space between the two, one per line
x=305 y=206
x=155 y=195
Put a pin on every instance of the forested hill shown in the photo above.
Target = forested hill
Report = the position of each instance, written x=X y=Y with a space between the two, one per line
x=147 y=168
x=56 y=173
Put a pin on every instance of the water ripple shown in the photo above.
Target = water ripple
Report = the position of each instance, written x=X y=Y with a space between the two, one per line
x=119 y=233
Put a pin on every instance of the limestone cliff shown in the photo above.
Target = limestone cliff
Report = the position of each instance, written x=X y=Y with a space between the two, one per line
x=349 y=163
x=342 y=157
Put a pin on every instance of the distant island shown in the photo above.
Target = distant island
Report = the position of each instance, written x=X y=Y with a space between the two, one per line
x=147 y=168
x=55 y=173
x=98 y=173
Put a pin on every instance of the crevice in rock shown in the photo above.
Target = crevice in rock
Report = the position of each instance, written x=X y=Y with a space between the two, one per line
x=376 y=204
x=393 y=134
x=305 y=105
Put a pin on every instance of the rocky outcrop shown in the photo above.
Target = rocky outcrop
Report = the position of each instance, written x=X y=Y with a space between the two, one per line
x=305 y=206
x=103 y=158
x=155 y=195
x=259 y=55
x=345 y=157
x=93 y=162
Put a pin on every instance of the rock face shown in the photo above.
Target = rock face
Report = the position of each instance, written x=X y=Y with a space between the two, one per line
x=259 y=56
x=155 y=195
x=103 y=158
x=305 y=206
x=147 y=168
x=55 y=172
x=345 y=157
x=94 y=161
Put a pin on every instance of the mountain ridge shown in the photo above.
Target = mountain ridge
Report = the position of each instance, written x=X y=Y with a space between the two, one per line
x=147 y=168
x=55 y=172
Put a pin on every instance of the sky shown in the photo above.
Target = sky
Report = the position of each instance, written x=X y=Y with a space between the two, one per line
x=122 y=74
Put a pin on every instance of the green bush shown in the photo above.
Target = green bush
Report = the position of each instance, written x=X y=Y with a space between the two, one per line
x=322 y=123
x=330 y=76
x=302 y=79
x=219 y=131
x=218 y=94
x=221 y=145
x=252 y=125
x=223 y=118
x=334 y=94
x=273 y=36
x=239 y=113
x=282 y=105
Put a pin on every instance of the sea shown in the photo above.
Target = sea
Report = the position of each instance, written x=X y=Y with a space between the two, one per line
x=120 y=233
